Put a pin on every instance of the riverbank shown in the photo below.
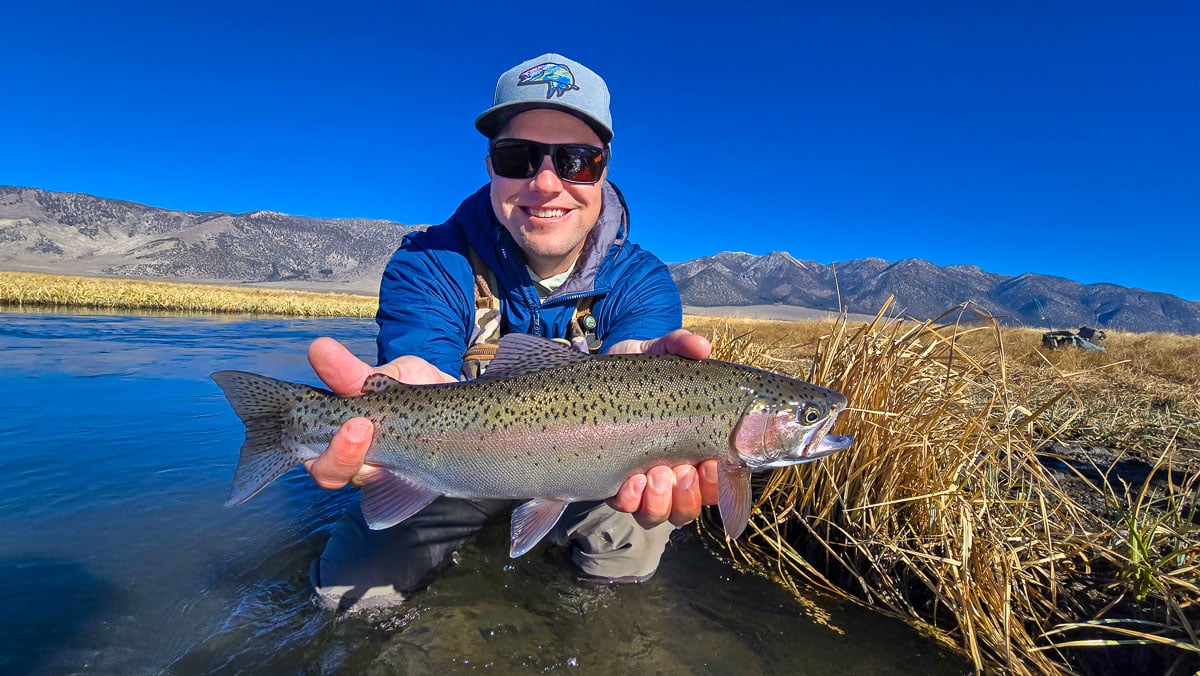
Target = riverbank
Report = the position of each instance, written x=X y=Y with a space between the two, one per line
x=40 y=290
x=302 y=299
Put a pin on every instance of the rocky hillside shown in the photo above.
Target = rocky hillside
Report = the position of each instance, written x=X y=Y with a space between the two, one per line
x=924 y=290
x=81 y=234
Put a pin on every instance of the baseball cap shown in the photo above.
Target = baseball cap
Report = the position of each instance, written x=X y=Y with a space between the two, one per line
x=549 y=81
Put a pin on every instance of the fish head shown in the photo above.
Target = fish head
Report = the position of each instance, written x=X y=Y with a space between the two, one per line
x=788 y=426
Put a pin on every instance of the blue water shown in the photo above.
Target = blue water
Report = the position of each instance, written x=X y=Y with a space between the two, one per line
x=117 y=556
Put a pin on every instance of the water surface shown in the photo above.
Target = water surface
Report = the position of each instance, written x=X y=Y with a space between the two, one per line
x=117 y=555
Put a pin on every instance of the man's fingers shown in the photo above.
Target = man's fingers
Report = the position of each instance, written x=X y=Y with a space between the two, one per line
x=629 y=498
x=343 y=460
x=656 y=499
x=337 y=367
x=684 y=343
x=685 y=499
x=708 y=482
x=665 y=493
x=679 y=342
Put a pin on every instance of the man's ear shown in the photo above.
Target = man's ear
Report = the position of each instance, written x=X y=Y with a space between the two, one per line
x=487 y=161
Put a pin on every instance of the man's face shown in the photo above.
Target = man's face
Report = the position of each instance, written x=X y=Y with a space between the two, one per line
x=548 y=218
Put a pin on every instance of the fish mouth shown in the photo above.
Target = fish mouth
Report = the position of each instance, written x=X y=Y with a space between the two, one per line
x=826 y=443
x=831 y=443
x=818 y=445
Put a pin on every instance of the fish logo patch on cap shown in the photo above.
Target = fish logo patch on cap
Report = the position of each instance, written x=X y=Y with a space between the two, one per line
x=557 y=78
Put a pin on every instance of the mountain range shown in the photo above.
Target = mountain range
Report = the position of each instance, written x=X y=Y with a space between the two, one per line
x=71 y=233
x=923 y=290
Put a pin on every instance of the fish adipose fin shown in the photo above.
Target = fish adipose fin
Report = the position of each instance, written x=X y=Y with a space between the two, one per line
x=262 y=403
x=531 y=521
x=378 y=382
x=733 y=497
x=388 y=498
x=521 y=353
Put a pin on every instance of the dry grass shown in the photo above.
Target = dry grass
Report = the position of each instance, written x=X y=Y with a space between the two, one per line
x=942 y=511
x=1142 y=395
x=24 y=290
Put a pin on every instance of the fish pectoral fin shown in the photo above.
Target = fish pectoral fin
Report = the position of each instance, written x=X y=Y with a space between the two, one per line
x=388 y=498
x=733 y=497
x=531 y=521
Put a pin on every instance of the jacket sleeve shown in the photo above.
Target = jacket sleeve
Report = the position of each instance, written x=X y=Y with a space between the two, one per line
x=644 y=302
x=422 y=308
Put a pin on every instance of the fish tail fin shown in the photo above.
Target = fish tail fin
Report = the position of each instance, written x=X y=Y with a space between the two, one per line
x=264 y=405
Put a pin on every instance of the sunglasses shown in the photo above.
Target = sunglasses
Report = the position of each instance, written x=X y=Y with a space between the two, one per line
x=573 y=162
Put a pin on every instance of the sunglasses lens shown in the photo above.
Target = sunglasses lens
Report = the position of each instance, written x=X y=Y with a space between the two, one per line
x=515 y=159
x=579 y=163
x=574 y=163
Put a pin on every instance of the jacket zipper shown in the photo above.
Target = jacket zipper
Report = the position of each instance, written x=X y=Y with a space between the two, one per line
x=525 y=289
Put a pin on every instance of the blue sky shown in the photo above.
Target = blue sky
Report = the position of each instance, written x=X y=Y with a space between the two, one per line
x=1020 y=136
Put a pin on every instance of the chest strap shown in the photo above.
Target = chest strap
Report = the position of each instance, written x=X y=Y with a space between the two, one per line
x=489 y=323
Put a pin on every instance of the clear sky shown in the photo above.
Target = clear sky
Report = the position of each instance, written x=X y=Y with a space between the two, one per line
x=1061 y=138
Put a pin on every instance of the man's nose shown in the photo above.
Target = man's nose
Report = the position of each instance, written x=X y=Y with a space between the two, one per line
x=546 y=179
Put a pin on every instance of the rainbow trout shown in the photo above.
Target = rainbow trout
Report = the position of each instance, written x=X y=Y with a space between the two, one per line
x=545 y=424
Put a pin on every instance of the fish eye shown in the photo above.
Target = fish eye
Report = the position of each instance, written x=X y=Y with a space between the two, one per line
x=811 y=414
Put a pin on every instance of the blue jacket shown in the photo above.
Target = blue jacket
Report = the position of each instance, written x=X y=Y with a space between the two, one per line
x=427 y=299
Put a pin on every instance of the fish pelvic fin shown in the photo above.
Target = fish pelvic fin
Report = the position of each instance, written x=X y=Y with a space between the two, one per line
x=733 y=497
x=264 y=405
x=531 y=521
x=388 y=498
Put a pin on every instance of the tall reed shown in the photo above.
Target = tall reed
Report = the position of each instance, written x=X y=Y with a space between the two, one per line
x=942 y=511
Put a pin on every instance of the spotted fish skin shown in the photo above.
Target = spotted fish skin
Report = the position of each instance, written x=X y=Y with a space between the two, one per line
x=545 y=424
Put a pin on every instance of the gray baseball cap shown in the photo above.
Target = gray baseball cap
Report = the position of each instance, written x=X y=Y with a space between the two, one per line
x=549 y=81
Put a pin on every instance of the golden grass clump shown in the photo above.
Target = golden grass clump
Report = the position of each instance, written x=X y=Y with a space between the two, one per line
x=26 y=289
x=942 y=512
x=1141 y=395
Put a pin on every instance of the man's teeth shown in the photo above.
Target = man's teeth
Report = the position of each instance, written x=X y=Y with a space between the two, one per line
x=547 y=213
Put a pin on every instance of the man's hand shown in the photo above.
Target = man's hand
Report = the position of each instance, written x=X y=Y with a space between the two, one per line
x=344 y=374
x=668 y=493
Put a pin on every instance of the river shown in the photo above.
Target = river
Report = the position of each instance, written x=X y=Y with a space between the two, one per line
x=117 y=556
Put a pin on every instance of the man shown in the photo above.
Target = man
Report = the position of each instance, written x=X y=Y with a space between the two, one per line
x=541 y=249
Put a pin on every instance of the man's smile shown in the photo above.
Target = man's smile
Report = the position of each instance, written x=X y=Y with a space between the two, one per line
x=545 y=212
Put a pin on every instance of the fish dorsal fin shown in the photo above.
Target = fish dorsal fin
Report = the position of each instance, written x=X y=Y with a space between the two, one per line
x=388 y=498
x=378 y=382
x=733 y=497
x=521 y=353
x=531 y=521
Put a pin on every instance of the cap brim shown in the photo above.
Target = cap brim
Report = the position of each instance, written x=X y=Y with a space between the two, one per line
x=492 y=119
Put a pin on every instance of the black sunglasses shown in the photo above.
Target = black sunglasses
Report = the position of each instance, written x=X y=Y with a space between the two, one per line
x=573 y=162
